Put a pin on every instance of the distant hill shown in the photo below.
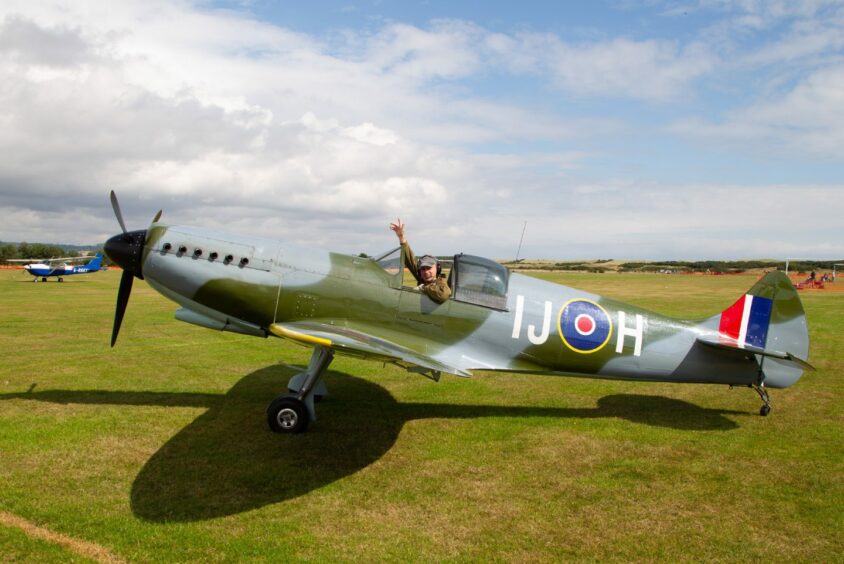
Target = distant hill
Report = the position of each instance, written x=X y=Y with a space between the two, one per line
x=80 y=248
x=706 y=266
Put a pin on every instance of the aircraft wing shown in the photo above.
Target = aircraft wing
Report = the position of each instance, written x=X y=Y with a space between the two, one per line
x=49 y=260
x=343 y=339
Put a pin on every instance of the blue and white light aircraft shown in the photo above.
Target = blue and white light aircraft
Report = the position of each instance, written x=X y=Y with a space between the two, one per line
x=59 y=267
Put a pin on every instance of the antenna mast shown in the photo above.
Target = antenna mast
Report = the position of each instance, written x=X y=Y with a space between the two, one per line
x=519 y=250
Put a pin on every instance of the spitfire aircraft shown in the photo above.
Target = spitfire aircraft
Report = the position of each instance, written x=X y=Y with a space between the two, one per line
x=494 y=320
x=59 y=267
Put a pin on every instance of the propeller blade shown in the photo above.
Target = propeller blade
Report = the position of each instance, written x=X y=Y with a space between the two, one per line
x=157 y=217
x=116 y=207
x=122 y=299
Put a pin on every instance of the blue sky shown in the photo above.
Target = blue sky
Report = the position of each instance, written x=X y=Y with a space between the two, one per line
x=637 y=130
x=575 y=20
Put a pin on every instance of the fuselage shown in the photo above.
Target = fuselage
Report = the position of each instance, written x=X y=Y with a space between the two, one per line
x=61 y=270
x=43 y=270
x=247 y=284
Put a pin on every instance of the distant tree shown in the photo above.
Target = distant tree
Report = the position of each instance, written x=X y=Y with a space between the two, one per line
x=23 y=250
x=39 y=250
x=106 y=260
x=8 y=251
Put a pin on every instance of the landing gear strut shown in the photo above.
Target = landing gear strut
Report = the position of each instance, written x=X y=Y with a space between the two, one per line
x=291 y=413
x=766 y=399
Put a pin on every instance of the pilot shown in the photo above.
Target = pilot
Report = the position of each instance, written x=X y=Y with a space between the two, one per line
x=426 y=270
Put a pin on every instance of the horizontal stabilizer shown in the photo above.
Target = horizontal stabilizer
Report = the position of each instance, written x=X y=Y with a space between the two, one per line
x=720 y=342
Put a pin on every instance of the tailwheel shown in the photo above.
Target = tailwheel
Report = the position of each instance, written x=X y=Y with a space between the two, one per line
x=287 y=414
x=766 y=399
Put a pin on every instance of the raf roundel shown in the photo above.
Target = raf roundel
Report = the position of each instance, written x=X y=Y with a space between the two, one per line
x=585 y=327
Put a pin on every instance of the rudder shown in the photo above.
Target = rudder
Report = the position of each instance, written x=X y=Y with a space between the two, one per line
x=770 y=316
x=96 y=262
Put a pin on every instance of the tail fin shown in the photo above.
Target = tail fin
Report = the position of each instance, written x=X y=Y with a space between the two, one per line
x=96 y=262
x=768 y=321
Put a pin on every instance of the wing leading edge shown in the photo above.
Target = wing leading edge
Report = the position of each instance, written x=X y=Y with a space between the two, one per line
x=357 y=343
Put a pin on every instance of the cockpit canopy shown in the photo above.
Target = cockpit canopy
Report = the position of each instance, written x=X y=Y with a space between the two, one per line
x=472 y=279
x=477 y=280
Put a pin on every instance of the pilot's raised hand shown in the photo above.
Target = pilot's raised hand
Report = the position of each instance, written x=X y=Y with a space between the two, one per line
x=398 y=228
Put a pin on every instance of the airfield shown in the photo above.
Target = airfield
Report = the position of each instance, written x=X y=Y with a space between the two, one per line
x=158 y=449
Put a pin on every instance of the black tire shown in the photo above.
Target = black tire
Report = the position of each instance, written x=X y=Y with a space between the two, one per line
x=765 y=410
x=61 y=279
x=44 y=279
x=287 y=414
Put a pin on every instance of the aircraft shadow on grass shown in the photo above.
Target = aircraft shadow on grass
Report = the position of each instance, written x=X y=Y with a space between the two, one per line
x=227 y=461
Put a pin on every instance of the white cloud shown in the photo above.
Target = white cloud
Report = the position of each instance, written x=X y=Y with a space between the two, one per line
x=656 y=70
x=240 y=124
x=808 y=120
x=693 y=221
x=26 y=43
x=409 y=52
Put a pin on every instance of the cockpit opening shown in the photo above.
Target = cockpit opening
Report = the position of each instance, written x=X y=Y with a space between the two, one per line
x=472 y=279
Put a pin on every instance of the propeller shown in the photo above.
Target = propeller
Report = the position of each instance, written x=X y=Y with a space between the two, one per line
x=126 y=250
x=116 y=207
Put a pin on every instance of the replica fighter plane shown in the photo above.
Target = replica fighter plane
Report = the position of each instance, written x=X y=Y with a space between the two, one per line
x=494 y=320
x=59 y=267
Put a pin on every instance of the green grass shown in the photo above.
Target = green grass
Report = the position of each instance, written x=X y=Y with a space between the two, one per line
x=17 y=546
x=158 y=450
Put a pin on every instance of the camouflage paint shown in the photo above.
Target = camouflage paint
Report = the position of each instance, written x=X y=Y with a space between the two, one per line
x=354 y=300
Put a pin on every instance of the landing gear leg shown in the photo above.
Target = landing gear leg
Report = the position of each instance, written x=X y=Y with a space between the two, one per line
x=291 y=413
x=766 y=399
x=295 y=384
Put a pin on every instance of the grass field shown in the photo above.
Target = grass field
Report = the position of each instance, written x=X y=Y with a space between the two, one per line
x=158 y=450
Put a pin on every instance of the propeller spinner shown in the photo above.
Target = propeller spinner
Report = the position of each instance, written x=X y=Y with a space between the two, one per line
x=126 y=250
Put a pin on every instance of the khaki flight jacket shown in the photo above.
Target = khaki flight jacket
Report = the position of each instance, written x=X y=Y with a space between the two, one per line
x=437 y=290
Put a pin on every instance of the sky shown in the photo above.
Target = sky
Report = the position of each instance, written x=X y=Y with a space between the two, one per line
x=655 y=130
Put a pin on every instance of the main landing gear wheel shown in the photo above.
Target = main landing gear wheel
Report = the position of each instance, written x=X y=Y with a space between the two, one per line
x=293 y=413
x=765 y=410
x=44 y=279
x=287 y=414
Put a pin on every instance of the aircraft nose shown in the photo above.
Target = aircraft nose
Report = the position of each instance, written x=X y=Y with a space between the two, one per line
x=126 y=250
